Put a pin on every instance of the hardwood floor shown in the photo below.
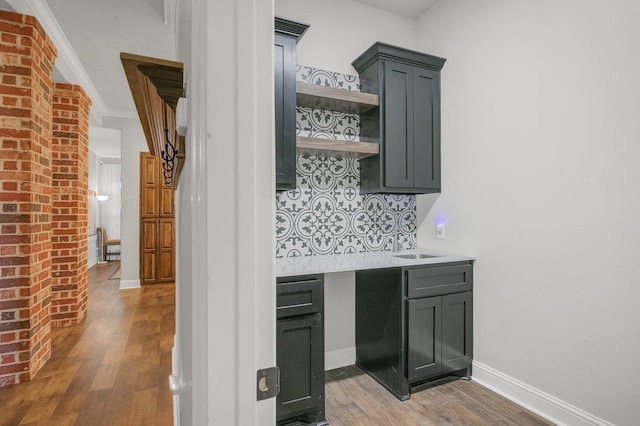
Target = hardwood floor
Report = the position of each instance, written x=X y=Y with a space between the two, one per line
x=355 y=399
x=110 y=370
x=113 y=370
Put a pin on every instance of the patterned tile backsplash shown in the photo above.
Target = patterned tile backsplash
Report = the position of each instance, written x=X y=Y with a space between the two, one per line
x=326 y=214
x=319 y=123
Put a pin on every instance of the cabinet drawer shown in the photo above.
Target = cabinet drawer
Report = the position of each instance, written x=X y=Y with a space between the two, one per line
x=438 y=280
x=300 y=296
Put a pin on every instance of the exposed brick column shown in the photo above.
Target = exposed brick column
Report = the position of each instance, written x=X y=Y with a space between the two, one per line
x=26 y=89
x=70 y=172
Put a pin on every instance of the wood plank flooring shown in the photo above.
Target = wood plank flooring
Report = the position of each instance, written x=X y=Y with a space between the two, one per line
x=112 y=369
x=355 y=399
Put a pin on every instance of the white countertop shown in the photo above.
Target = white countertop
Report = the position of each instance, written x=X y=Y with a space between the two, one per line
x=321 y=264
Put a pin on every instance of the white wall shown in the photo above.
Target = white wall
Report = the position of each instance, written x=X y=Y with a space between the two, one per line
x=133 y=142
x=92 y=205
x=540 y=146
x=339 y=319
x=92 y=250
x=340 y=30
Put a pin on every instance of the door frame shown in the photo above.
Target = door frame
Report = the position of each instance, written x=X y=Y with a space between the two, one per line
x=226 y=326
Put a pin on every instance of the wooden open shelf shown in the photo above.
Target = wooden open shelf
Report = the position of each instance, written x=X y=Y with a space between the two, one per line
x=334 y=148
x=328 y=98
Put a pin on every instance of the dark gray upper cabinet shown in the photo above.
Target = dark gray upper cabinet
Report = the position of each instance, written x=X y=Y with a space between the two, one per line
x=287 y=34
x=407 y=122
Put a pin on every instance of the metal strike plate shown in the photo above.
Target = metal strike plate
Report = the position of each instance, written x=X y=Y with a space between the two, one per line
x=268 y=383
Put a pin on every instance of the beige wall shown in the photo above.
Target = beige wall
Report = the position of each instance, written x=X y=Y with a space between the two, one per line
x=133 y=141
x=540 y=104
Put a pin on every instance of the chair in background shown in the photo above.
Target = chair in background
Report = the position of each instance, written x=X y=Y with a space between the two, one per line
x=105 y=243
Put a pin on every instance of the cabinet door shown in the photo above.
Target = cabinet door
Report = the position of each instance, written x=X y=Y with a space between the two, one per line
x=157 y=223
x=149 y=251
x=165 y=247
x=426 y=128
x=167 y=208
x=149 y=202
x=398 y=121
x=285 y=111
x=149 y=170
x=457 y=331
x=424 y=337
x=149 y=184
x=300 y=356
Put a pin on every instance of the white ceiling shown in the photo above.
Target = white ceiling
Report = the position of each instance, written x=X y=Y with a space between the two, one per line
x=408 y=8
x=99 y=30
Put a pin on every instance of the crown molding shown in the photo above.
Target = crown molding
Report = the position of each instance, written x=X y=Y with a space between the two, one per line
x=67 y=62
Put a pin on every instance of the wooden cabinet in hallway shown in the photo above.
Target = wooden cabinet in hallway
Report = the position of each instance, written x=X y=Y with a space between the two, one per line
x=157 y=223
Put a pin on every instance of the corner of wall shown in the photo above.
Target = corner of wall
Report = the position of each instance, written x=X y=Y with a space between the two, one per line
x=533 y=399
x=129 y=284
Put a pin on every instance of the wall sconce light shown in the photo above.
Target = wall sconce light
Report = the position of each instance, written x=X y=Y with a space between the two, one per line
x=102 y=197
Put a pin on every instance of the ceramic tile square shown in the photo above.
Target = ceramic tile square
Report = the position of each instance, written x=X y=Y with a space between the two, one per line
x=326 y=214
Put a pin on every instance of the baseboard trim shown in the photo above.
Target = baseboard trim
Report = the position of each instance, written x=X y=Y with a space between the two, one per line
x=129 y=284
x=533 y=399
x=339 y=358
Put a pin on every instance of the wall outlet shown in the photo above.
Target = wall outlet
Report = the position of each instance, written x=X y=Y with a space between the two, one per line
x=440 y=230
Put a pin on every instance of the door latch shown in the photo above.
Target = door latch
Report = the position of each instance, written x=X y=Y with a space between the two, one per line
x=268 y=383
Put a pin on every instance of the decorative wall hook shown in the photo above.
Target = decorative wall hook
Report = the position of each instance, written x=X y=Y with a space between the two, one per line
x=168 y=156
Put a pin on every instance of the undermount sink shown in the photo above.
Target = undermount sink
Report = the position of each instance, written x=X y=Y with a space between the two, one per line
x=414 y=256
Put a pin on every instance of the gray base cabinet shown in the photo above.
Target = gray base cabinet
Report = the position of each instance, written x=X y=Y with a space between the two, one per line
x=407 y=122
x=414 y=324
x=424 y=338
x=300 y=350
x=457 y=331
x=439 y=335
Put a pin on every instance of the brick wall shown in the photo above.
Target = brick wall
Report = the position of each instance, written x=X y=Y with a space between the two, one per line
x=26 y=89
x=70 y=172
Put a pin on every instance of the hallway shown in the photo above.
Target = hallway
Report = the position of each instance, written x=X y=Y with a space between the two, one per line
x=112 y=369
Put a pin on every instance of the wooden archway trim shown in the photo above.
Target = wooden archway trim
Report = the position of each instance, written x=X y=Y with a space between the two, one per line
x=156 y=85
